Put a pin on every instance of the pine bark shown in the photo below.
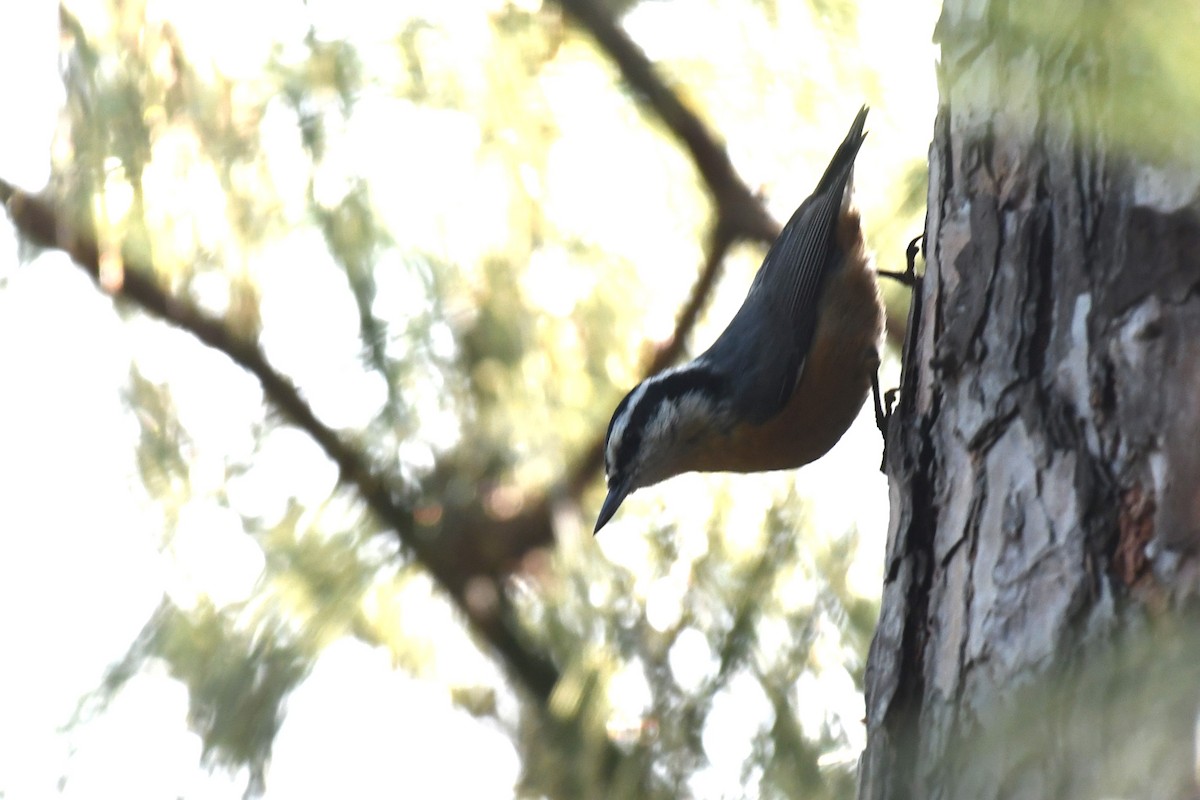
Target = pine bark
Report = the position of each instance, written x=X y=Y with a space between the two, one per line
x=1036 y=637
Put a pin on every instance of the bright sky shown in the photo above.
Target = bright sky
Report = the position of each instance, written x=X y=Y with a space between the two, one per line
x=82 y=563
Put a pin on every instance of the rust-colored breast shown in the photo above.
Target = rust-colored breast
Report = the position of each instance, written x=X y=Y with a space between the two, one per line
x=832 y=386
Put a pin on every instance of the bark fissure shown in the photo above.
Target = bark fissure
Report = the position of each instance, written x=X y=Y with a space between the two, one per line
x=904 y=715
x=1042 y=273
x=1055 y=374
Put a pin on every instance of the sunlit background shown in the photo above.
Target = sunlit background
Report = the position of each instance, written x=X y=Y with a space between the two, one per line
x=453 y=227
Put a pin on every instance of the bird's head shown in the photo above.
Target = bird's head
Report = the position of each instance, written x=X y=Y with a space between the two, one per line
x=656 y=427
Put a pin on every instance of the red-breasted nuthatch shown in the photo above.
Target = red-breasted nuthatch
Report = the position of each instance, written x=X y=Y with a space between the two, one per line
x=784 y=381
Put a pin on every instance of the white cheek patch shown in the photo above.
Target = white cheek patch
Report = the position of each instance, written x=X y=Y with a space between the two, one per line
x=660 y=425
x=695 y=407
x=673 y=418
x=670 y=415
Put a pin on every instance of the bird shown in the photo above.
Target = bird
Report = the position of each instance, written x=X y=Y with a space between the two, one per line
x=787 y=376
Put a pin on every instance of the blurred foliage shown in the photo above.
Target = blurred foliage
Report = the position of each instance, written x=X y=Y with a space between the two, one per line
x=1146 y=83
x=455 y=231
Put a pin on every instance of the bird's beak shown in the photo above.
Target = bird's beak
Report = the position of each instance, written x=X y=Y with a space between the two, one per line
x=616 y=495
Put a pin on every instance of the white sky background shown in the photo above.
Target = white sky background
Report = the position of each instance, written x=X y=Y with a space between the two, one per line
x=80 y=561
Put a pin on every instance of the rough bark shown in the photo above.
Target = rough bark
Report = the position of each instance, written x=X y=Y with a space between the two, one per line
x=1035 y=638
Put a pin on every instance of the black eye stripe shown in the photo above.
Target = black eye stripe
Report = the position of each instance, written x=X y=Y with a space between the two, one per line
x=670 y=386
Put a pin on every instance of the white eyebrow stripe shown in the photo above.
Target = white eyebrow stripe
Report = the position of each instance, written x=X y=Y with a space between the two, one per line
x=618 y=430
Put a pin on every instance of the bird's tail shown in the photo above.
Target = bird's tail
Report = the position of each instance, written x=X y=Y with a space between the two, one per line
x=842 y=164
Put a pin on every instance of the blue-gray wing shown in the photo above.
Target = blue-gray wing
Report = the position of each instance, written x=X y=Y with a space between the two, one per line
x=764 y=348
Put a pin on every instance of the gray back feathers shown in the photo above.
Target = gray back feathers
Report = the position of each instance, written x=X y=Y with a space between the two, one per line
x=766 y=344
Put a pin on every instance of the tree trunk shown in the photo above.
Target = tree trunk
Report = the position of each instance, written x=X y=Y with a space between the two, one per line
x=1035 y=638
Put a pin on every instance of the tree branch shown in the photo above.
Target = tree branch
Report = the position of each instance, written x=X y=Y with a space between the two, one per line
x=739 y=210
x=40 y=223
